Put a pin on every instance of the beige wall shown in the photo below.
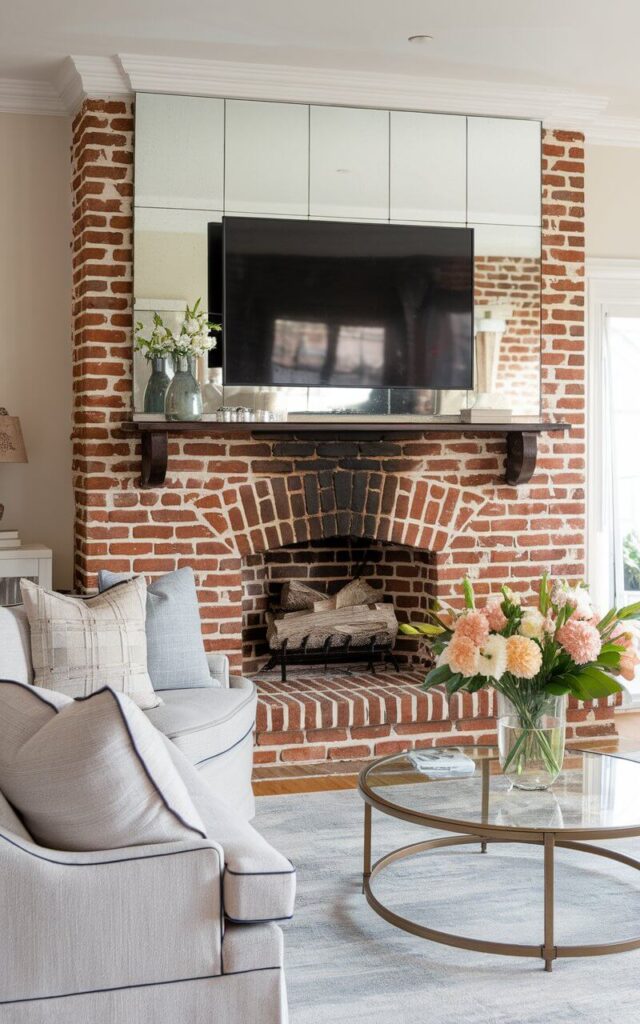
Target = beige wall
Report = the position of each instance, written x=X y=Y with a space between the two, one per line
x=35 y=329
x=612 y=205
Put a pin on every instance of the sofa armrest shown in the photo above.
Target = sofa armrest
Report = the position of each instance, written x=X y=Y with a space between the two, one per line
x=219 y=668
x=75 y=922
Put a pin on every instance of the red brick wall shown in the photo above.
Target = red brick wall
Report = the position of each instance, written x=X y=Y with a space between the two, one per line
x=226 y=498
x=514 y=281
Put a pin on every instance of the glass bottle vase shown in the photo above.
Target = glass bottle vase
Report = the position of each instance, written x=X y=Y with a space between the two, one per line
x=156 y=389
x=183 y=400
x=531 y=737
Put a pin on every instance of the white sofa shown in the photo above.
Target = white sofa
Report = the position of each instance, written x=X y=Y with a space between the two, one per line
x=212 y=726
x=179 y=932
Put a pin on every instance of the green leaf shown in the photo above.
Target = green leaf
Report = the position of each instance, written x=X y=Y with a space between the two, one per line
x=606 y=620
x=469 y=597
x=544 y=598
x=609 y=659
x=456 y=683
x=405 y=627
x=558 y=688
x=428 y=630
x=592 y=683
x=437 y=675
x=630 y=611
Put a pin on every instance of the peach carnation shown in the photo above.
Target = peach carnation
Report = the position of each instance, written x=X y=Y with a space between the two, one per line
x=494 y=615
x=463 y=655
x=524 y=657
x=474 y=625
x=580 y=640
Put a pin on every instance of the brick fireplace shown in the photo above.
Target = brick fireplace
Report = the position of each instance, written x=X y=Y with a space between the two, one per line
x=428 y=508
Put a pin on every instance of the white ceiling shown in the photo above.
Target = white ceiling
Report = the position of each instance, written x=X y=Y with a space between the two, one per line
x=577 y=46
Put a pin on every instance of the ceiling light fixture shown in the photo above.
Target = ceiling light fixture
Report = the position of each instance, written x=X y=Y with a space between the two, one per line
x=421 y=37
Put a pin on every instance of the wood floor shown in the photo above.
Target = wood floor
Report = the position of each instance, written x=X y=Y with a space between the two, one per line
x=314 y=778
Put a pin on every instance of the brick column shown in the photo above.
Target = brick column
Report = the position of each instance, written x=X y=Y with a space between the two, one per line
x=102 y=191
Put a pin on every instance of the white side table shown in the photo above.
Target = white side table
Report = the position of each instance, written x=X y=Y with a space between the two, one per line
x=31 y=560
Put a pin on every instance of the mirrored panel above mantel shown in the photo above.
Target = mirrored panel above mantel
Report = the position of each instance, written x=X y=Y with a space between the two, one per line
x=198 y=159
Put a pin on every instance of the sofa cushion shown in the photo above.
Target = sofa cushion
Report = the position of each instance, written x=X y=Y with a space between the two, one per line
x=205 y=723
x=90 y=774
x=15 y=645
x=176 y=657
x=80 y=646
x=259 y=883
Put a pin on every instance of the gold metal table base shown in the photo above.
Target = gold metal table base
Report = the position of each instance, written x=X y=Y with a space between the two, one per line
x=547 y=950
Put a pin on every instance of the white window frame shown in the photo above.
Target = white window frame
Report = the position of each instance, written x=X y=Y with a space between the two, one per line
x=613 y=289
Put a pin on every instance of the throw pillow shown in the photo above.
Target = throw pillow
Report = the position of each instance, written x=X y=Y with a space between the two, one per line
x=78 y=646
x=176 y=656
x=90 y=774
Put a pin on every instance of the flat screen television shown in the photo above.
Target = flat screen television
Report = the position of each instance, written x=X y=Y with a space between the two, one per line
x=338 y=304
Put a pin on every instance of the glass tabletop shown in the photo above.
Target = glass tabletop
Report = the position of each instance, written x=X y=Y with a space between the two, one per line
x=595 y=792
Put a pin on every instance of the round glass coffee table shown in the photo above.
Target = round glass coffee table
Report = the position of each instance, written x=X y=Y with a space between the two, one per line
x=597 y=797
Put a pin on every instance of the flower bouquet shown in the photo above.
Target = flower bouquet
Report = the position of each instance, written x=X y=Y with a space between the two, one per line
x=533 y=656
x=179 y=397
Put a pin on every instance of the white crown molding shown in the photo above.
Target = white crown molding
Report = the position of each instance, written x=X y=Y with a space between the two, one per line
x=614 y=131
x=22 y=96
x=85 y=77
x=122 y=75
x=372 y=89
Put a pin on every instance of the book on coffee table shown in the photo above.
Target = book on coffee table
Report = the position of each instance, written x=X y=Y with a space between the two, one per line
x=442 y=762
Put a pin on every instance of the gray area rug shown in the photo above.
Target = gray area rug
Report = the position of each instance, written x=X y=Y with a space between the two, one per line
x=345 y=965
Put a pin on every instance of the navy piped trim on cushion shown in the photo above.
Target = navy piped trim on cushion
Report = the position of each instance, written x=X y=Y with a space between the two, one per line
x=258 y=920
x=141 y=984
x=257 y=874
x=32 y=691
x=145 y=767
x=114 y=860
x=227 y=749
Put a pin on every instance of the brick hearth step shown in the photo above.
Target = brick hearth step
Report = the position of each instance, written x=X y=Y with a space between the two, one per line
x=340 y=716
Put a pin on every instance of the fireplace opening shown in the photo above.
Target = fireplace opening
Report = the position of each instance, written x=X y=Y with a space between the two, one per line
x=401 y=581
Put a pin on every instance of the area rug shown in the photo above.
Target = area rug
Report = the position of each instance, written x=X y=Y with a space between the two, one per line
x=345 y=965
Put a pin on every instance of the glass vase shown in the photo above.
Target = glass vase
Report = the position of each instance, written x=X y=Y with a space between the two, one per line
x=183 y=400
x=531 y=736
x=156 y=389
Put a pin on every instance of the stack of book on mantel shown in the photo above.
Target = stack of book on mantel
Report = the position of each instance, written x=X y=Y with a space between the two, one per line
x=9 y=539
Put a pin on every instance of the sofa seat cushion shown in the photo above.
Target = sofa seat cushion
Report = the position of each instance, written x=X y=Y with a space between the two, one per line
x=259 y=883
x=206 y=722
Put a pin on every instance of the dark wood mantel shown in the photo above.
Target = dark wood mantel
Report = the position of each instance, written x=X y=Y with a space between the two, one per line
x=521 y=436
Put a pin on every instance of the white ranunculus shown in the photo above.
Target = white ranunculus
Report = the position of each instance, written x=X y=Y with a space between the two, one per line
x=192 y=325
x=581 y=601
x=532 y=624
x=492 y=663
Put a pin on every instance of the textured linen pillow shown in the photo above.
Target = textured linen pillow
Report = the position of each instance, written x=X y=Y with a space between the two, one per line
x=78 y=646
x=90 y=774
x=176 y=657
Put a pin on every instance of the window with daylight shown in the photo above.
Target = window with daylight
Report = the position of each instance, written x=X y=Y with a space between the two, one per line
x=614 y=447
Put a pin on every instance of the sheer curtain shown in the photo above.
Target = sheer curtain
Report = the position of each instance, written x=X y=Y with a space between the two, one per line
x=617 y=569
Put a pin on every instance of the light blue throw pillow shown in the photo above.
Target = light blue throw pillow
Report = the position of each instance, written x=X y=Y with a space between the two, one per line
x=176 y=658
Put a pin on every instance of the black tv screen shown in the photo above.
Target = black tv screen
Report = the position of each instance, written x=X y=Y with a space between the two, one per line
x=337 y=304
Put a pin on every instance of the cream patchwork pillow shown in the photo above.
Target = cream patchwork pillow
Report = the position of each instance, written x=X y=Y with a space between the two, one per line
x=79 y=645
x=91 y=774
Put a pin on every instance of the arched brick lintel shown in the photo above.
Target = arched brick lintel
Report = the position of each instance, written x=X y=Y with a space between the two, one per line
x=418 y=512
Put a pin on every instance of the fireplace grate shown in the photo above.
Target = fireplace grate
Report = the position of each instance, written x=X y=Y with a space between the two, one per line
x=332 y=650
